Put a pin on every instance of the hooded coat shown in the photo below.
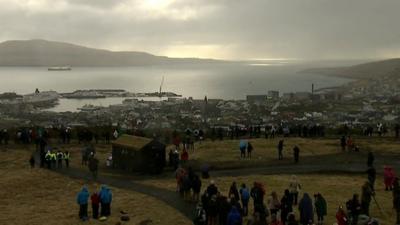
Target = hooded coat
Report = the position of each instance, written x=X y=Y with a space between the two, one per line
x=306 y=209
x=234 y=217
x=105 y=195
x=83 y=196
x=320 y=206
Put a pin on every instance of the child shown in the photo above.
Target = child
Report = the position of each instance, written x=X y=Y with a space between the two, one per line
x=95 y=198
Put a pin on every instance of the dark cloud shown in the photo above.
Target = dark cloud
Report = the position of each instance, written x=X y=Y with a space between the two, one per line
x=214 y=28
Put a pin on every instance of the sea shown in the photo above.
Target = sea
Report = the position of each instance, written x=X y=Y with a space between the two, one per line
x=223 y=81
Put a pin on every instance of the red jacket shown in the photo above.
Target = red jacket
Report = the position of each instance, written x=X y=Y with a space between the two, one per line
x=95 y=198
x=341 y=218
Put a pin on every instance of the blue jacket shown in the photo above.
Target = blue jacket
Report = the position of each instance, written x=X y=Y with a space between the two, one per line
x=234 y=217
x=105 y=195
x=245 y=194
x=83 y=196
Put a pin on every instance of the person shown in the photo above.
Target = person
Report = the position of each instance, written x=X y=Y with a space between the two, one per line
x=294 y=188
x=242 y=148
x=223 y=208
x=388 y=177
x=184 y=156
x=286 y=206
x=370 y=159
x=212 y=189
x=257 y=193
x=48 y=159
x=306 y=210
x=200 y=217
x=296 y=153
x=280 y=150
x=343 y=142
x=273 y=203
x=233 y=192
x=82 y=200
x=249 y=149
x=291 y=220
x=396 y=199
x=212 y=210
x=320 y=208
x=95 y=198
x=234 y=217
x=366 y=196
x=32 y=161
x=196 y=186
x=354 y=208
x=60 y=157
x=93 y=166
x=349 y=143
x=341 y=217
x=66 y=158
x=105 y=201
x=245 y=198
x=371 y=172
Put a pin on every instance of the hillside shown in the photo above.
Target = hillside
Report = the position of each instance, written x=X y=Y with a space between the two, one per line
x=49 y=53
x=390 y=67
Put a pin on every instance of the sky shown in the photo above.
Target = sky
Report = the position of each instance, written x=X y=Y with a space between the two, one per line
x=222 y=29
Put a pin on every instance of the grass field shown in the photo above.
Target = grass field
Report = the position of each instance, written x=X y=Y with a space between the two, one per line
x=40 y=196
x=43 y=197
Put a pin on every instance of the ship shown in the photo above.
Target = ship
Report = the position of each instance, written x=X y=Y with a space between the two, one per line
x=59 y=68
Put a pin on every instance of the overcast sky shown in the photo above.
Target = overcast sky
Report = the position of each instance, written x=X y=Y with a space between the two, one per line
x=227 y=29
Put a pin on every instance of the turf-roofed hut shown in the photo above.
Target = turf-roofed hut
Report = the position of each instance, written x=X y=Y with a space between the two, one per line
x=138 y=154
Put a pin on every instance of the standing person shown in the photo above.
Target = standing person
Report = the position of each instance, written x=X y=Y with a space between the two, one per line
x=242 y=148
x=286 y=206
x=371 y=172
x=296 y=153
x=105 y=201
x=249 y=149
x=257 y=193
x=66 y=158
x=93 y=166
x=354 y=208
x=82 y=200
x=196 y=186
x=95 y=198
x=245 y=198
x=396 y=199
x=294 y=188
x=234 y=217
x=343 y=142
x=233 y=192
x=320 y=208
x=371 y=159
x=32 y=161
x=341 y=217
x=273 y=203
x=60 y=157
x=388 y=177
x=306 y=210
x=200 y=217
x=366 y=196
x=48 y=159
x=280 y=150
x=349 y=143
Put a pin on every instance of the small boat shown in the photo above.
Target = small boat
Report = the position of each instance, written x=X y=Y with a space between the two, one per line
x=59 y=68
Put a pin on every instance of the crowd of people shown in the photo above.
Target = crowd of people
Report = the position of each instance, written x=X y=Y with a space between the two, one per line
x=99 y=200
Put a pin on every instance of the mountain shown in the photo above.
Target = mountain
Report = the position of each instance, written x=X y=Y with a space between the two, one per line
x=50 y=53
x=387 y=68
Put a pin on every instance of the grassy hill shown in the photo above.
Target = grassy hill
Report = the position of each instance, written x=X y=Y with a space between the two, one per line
x=371 y=70
x=51 y=53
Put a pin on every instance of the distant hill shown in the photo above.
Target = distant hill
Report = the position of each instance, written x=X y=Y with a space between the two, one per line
x=390 y=67
x=50 y=53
